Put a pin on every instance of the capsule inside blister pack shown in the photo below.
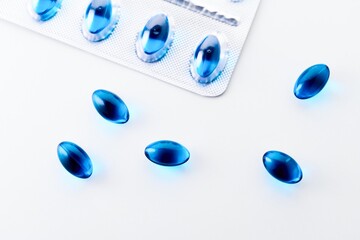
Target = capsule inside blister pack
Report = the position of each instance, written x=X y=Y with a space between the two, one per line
x=43 y=10
x=155 y=39
x=100 y=20
x=200 y=55
x=209 y=58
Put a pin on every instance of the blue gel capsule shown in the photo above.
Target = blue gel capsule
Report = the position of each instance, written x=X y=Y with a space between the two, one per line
x=311 y=81
x=167 y=153
x=100 y=20
x=74 y=159
x=282 y=167
x=110 y=106
x=209 y=58
x=43 y=10
x=154 y=41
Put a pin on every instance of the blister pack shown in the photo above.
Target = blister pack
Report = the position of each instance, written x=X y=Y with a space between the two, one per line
x=193 y=44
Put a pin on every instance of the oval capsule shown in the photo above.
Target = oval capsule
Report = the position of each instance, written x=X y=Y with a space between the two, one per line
x=74 y=159
x=100 y=20
x=311 y=81
x=167 y=153
x=282 y=167
x=110 y=106
x=43 y=10
x=209 y=58
x=154 y=41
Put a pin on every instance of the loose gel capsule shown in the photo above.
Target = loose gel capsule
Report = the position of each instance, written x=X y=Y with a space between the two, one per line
x=209 y=58
x=311 y=81
x=75 y=160
x=167 y=153
x=100 y=20
x=282 y=167
x=43 y=10
x=110 y=106
x=155 y=39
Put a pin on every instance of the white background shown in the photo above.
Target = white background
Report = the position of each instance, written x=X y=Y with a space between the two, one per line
x=223 y=192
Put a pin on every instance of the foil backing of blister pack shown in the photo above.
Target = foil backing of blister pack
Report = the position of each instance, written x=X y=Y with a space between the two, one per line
x=192 y=22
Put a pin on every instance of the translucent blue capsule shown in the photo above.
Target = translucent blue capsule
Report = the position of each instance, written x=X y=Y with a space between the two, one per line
x=74 y=159
x=282 y=167
x=110 y=106
x=154 y=41
x=100 y=20
x=167 y=153
x=311 y=81
x=43 y=10
x=209 y=58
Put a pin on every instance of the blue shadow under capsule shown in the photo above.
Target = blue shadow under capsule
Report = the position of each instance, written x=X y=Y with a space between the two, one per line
x=43 y=10
x=282 y=167
x=167 y=153
x=311 y=81
x=110 y=106
x=154 y=41
x=209 y=58
x=74 y=159
x=100 y=20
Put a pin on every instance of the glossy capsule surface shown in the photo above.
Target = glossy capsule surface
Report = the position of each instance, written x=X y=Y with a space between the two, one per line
x=167 y=153
x=98 y=15
x=311 y=81
x=43 y=10
x=282 y=167
x=100 y=20
x=74 y=159
x=209 y=58
x=110 y=106
x=154 y=40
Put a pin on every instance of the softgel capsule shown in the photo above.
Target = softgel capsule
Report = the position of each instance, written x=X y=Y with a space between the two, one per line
x=160 y=38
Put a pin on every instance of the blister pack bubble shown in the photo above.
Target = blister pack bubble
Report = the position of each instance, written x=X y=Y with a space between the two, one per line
x=191 y=22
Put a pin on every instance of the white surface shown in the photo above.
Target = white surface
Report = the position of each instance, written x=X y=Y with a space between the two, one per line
x=223 y=192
